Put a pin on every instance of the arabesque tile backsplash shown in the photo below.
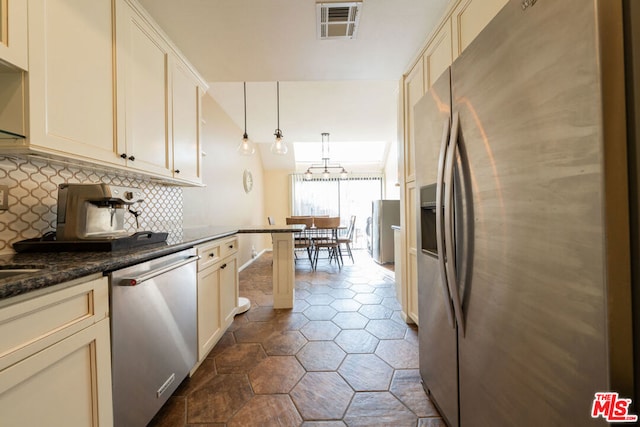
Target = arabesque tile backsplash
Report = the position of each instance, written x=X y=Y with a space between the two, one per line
x=33 y=196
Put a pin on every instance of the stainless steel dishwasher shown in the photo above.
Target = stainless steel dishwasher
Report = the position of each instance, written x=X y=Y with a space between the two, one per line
x=153 y=334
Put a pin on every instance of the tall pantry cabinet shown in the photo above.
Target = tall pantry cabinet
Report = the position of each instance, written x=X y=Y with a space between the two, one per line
x=461 y=23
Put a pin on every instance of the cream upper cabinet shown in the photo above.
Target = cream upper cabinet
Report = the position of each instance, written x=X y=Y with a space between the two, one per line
x=438 y=55
x=143 y=93
x=13 y=33
x=55 y=363
x=186 y=92
x=70 y=79
x=88 y=101
x=468 y=18
x=413 y=91
x=158 y=99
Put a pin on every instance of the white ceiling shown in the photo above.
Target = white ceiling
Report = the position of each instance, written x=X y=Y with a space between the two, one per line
x=345 y=87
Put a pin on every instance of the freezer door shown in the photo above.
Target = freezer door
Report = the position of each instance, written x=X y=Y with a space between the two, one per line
x=437 y=334
x=530 y=100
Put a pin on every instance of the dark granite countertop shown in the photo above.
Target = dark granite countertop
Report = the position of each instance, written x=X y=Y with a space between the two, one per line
x=59 y=267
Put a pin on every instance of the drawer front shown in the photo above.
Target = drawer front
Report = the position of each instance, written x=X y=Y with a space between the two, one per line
x=228 y=247
x=209 y=254
x=31 y=325
x=214 y=251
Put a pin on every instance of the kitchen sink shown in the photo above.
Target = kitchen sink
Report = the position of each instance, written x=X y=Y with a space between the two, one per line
x=10 y=272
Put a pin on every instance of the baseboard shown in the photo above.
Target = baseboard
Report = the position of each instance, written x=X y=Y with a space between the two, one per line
x=248 y=263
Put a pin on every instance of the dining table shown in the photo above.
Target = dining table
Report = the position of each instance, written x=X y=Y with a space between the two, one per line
x=321 y=232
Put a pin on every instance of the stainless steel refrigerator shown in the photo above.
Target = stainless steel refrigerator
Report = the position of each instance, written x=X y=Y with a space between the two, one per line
x=523 y=264
x=384 y=214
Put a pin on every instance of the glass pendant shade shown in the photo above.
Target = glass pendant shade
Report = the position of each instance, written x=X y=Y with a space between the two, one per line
x=246 y=147
x=279 y=147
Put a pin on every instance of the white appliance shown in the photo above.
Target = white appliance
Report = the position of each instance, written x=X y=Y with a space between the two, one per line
x=523 y=263
x=384 y=214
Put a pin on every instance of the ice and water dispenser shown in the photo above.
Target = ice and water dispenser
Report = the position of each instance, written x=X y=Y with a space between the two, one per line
x=428 y=219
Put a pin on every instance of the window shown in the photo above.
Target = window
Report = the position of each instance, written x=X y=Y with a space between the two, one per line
x=338 y=197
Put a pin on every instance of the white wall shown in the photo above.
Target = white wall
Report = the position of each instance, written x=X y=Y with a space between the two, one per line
x=223 y=200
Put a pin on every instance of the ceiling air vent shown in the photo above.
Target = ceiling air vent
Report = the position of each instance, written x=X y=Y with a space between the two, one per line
x=338 y=20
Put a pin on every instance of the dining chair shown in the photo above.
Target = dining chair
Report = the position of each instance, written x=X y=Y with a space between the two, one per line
x=302 y=240
x=326 y=237
x=347 y=238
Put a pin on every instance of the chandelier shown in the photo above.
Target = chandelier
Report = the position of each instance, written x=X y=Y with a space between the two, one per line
x=326 y=166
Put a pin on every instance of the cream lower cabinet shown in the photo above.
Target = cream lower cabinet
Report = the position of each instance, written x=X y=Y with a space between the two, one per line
x=228 y=290
x=411 y=274
x=55 y=364
x=217 y=292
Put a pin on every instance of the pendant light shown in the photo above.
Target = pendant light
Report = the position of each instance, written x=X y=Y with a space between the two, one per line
x=326 y=166
x=279 y=147
x=246 y=147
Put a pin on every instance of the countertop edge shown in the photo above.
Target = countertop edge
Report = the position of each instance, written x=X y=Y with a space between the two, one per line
x=54 y=273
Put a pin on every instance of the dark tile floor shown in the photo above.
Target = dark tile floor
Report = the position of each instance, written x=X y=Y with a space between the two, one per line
x=341 y=356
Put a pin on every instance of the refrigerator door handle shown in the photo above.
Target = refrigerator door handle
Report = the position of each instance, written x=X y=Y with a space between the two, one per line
x=449 y=223
x=440 y=223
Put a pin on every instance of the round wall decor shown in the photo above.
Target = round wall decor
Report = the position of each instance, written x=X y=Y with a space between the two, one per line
x=247 y=181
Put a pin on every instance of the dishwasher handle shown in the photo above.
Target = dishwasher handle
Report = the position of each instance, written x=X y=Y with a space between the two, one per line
x=133 y=281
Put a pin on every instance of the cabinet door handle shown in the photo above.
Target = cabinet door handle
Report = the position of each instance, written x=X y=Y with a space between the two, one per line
x=123 y=155
x=230 y=246
x=177 y=171
x=223 y=266
x=132 y=158
x=211 y=255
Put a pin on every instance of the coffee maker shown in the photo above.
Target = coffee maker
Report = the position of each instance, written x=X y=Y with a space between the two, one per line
x=91 y=217
x=94 y=211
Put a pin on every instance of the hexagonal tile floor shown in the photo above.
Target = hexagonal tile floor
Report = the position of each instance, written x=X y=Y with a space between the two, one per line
x=341 y=357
